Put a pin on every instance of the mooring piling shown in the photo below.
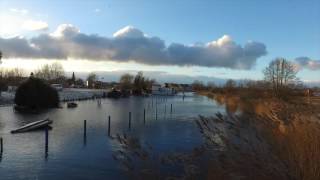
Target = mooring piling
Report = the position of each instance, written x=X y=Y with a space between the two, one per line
x=144 y=116
x=85 y=128
x=1 y=146
x=109 y=125
x=171 y=108
x=156 y=112
x=46 y=140
x=152 y=102
x=130 y=120
x=85 y=132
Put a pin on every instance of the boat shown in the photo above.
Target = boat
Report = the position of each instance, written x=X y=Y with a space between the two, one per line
x=72 y=105
x=33 y=126
x=114 y=94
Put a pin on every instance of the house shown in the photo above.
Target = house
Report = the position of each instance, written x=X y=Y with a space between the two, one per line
x=12 y=88
x=157 y=89
x=58 y=87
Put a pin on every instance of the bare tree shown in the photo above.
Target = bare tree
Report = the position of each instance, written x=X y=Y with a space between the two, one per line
x=280 y=73
x=1 y=81
x=139 y=82
x=50 y=72
x=92 y=78
x=230 y=84
x=211 y=85
x=126 y=81
x=10 y=77
x=57 y=70
x=0 y=57
x=198 y=85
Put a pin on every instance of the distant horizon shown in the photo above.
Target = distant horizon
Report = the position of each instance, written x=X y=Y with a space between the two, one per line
x=161 y=77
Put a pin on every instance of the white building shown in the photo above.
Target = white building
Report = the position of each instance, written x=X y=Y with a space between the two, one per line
x=58 y=87
x=157 y=89
x=12 y=88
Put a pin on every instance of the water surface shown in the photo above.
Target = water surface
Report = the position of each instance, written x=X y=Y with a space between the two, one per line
x=70 y=157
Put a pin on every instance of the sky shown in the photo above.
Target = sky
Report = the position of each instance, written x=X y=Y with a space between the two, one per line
x=184 y=39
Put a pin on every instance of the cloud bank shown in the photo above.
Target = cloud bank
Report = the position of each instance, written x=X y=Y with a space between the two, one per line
x=306 y=62
x=131 y=44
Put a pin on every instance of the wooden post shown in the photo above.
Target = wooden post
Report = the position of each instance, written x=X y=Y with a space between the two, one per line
x=156 y=112
x=129 y=120
x=85 y=128
x=1 y=146
x=144 y=116
x=47 y=139
x=171 y=108
x=152 y=102
x=109 y=123
x=84 y=132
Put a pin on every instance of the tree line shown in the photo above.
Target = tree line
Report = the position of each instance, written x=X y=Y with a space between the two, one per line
x=279 y=76
x=138 y=84
x=280 y=80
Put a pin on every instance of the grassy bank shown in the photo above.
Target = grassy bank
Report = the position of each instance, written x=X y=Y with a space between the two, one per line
x=269 y=133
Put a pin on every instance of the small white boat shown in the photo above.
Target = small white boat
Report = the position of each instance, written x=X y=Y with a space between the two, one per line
x=33 y=126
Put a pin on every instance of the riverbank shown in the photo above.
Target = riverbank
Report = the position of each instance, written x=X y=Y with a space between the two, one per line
x=67 y=94
x=246 y=101
x=268 y=132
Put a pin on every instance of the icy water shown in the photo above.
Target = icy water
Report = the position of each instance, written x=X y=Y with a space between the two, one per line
x=70 y=157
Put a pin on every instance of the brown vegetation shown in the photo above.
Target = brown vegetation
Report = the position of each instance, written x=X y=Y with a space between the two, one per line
x=282 y=133
x=258 y=138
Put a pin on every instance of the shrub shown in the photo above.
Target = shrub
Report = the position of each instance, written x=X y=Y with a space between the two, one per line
x=35 y=93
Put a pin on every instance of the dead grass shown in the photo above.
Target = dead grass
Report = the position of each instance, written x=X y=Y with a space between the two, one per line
x=289 y=133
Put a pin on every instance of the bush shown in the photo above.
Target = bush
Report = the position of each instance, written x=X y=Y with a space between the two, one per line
x=35 y=93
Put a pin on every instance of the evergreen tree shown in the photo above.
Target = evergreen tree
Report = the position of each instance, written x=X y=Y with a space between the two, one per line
x=73 y=78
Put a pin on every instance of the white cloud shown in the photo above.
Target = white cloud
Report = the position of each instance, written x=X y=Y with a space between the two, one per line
x=32 y=25
x=19 y=11
x=128 y=32
x=65 y=30
x=225 y=39
x=19 y=22
x=97 y=10
x=131 y=44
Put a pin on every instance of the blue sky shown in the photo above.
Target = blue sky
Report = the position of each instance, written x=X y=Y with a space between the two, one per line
x=288 y=28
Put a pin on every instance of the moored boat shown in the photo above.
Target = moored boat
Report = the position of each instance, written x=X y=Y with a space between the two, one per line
x=33 y=126
x=72 y=105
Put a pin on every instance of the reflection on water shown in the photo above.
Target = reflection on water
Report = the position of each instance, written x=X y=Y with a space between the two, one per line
x=77 y=153
x=235 y=104
x=231 y=103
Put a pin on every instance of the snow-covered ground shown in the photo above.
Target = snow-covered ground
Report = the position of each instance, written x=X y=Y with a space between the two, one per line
x=67 y=94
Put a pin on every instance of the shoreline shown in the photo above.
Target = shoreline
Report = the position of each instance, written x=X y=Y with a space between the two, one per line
x=66 y=95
